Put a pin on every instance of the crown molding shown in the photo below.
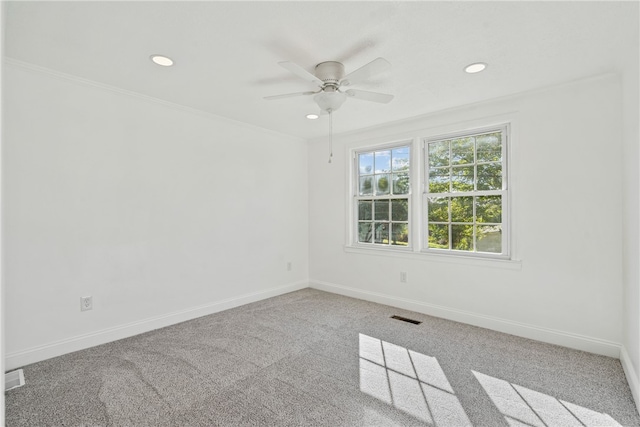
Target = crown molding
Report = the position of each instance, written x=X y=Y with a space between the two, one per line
x=27 y=66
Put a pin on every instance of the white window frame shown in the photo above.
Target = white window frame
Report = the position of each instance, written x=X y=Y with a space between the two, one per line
x=417 y=212
x=504 y=193
x=355 y=191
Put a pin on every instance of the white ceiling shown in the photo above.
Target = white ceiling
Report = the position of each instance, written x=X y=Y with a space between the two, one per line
x=226 y=53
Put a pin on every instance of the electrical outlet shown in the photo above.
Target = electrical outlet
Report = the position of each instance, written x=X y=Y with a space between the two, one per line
x=403 y=277
x=86 y=303
x=289 y=265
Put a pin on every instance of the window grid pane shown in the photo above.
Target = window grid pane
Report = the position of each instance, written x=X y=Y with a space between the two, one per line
x=382 y=201
x=465 y=193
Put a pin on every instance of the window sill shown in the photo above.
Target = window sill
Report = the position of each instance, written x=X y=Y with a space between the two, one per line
x=507 y=264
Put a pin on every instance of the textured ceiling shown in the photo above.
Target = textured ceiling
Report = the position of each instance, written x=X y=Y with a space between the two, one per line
x=226 y=53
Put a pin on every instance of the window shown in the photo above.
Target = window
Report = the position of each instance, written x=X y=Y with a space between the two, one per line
x=462 y=210
x=382 y=196
x=466 y=193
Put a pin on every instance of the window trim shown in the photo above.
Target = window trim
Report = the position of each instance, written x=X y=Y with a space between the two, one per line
x=505 y=129
x=355 y=197
x=447 y=258
x=438 y=129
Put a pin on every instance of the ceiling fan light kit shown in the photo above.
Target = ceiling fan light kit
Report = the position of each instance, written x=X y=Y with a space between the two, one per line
x=330 y=101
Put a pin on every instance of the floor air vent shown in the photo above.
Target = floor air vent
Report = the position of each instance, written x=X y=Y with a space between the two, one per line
x=13 y=379
x=404 y=319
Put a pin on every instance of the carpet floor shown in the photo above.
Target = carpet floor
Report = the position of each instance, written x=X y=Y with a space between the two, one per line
x=319 y=359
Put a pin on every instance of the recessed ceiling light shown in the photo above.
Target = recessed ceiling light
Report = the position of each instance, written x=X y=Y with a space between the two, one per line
x=475 y=67
x=312 y=116
x=162 y=60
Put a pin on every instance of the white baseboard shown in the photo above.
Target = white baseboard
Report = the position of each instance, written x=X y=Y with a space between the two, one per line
x=566 y=339
x=579 y=342
x=81 y=342
x=631 y=374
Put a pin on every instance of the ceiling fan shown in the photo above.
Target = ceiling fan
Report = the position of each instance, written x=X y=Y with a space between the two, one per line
x=332 y=83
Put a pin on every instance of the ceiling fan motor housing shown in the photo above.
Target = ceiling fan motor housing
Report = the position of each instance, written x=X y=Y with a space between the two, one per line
x=330 y=72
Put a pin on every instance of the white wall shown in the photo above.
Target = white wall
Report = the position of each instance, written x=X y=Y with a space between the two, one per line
x=160 y=213
x=2 y=323
x=631 y=222
x=566 y=204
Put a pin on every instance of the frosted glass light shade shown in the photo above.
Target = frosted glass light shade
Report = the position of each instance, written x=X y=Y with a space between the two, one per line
x=330 y=100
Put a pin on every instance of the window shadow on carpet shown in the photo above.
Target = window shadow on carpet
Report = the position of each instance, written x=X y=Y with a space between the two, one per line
x=409 y=381
x=416 y=384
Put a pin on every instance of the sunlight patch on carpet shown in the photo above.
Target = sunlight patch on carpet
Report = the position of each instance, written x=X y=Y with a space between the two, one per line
x=409 y=381
x=522 y=406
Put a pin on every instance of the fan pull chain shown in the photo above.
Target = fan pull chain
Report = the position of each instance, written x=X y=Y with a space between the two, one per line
x=330 y=135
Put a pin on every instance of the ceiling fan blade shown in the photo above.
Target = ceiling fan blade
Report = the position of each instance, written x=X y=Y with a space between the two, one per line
x=300 y=72
x=365 y=95
x=356 y=49
x=374 y=67
x=288 y=95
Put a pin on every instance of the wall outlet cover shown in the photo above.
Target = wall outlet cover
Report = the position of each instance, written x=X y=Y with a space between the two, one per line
x=86 y=303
